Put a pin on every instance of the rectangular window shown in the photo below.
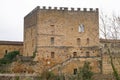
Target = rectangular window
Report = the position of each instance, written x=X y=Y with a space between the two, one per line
x=52 y=40
x=75 y=71
x=52 y=54
x=6 y=51
x=87 y=54
x=81 y=28
x=52 y=29
x=88 y=40
x=78 y=41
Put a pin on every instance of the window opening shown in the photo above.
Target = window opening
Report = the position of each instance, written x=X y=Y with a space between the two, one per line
x=88 y=40
x=6 y=51
x=78 y=41
x=52 y=54
x=52 y=40
x=87 y=54
x=75 y=71
x=81 y=28
x=74 y=54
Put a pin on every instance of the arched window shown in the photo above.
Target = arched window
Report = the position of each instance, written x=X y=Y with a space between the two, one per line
x=81 y=28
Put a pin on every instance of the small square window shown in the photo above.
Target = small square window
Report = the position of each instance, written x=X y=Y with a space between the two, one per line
x=6 y=51
x=74 y=54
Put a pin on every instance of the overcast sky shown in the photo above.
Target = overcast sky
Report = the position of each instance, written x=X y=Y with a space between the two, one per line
x=12 y=12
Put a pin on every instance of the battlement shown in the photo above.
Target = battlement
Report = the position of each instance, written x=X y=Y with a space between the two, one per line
x=63 y=9
x=69 y=9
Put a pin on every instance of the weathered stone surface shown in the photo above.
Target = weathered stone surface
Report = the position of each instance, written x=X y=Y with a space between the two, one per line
x=55 y=37
x=113 y=46
x=8 y=46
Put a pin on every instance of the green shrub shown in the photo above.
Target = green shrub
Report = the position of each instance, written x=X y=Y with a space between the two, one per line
x=8 y=58
x=17 y=78
x=85 y=72
x=11 y=55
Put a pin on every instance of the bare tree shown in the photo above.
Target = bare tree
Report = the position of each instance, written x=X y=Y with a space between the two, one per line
x=109 y=28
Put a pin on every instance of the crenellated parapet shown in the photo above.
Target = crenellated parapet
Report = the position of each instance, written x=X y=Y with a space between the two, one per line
x=64 y=9
x=69 y=9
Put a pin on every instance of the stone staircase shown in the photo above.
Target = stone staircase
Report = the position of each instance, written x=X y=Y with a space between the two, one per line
x=60 y=64
x=67 y=61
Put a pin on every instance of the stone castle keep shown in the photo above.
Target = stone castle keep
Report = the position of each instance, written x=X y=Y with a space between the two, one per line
x=63 y=38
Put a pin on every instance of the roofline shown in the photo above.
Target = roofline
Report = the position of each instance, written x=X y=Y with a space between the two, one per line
x=11 y=43
x=110 y=40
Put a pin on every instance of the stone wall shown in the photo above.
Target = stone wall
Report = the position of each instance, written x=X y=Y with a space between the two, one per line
x=30 y=34
x=56 y=35
x=76 y=63
x=18 y=77
x=62 y=25
x=8 y=46
x=34 y=77
x=113 y=46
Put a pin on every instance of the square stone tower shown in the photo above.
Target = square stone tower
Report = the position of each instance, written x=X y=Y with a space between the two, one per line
x=56 y=35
